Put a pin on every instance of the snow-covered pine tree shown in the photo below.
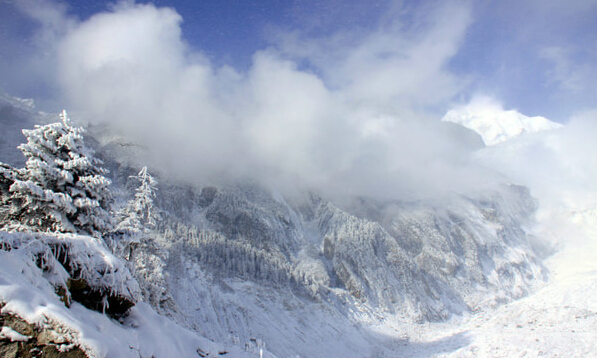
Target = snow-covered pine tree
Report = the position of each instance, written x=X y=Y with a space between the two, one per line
x=140 y=215
x=136 y=220
x=63 y=186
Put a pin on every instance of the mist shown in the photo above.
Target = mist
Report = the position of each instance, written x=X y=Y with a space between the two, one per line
x=558 y=166
x=352 y=112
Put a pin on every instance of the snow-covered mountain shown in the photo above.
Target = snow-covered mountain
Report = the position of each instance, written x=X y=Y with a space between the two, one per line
x=241 y=269
x=494 y=124
x=239 y=263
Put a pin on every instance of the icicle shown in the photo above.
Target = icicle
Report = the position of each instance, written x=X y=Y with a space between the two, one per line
x=105 y=304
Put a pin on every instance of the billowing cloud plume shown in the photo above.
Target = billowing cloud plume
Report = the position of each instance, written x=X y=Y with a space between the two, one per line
x=352 y=129
x=346 y=113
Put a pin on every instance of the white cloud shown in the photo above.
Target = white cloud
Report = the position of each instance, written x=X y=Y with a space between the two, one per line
x=556 y=162
x=558 y=166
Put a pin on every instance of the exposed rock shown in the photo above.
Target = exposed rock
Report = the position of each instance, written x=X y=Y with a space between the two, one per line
x=32 y=350
x=64 y=295
x=17 y=324
x=97 y=299
x=9 y=350
x=47 y=337
x=42 y=342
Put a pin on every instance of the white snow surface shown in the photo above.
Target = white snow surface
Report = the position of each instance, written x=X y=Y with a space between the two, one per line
x=494 y=124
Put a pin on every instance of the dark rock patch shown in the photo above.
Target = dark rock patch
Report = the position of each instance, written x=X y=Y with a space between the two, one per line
x=37 y=343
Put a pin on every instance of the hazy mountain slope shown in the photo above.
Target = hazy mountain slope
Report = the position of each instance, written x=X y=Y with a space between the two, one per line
x=244 y=263
x=15 y=115
x=558 y=320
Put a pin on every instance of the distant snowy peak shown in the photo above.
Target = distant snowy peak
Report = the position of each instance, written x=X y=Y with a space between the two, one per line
x=494 y=124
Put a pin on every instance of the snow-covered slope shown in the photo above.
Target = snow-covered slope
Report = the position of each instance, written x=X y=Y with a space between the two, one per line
x=28 y=292
x=494 y=124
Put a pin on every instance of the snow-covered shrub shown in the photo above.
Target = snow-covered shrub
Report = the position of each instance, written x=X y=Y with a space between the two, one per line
x=63 y=186
x=80 y=267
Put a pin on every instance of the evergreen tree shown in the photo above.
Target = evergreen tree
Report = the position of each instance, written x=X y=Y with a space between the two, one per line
x=63 y=186
x=139 y=215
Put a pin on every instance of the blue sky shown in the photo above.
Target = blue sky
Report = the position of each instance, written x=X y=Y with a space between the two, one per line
x=537 y=57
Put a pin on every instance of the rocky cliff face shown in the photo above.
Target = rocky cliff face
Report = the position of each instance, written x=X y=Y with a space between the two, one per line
x=438 y=258
x=241 y=255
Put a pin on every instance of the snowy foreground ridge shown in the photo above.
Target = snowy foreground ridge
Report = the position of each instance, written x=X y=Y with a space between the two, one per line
x=29 y=293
